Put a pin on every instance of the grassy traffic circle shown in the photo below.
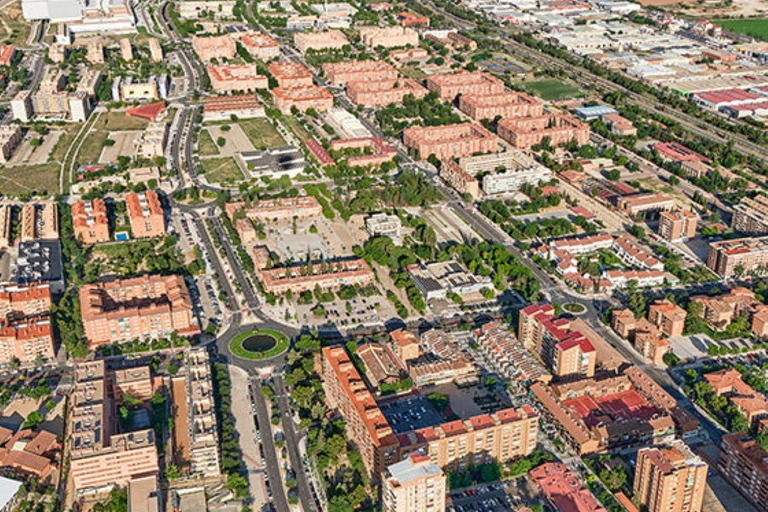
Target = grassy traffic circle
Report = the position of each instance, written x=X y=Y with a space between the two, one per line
x=259 y=344
x=573 y=307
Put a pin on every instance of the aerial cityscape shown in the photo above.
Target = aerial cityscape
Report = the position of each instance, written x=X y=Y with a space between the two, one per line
x=364 y=256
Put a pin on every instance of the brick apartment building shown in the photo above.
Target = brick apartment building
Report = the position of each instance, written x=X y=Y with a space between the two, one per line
x=291 y=74
x=414 y=484
x=645 y=336
x=328 y=276
x=6 y=212
x=260 y=46
x=500 y=436
x=26 y=340
x=448 y=86
x=563 y=489
x=749 y=402
x=141 y=307
x=328 y=40
x=366 y=425
x=303 y=98
x=505 y=104
x=340 y=73
x=10 y=138
x=90 y=222
x=670 y=479
x=668 y=317
x=236 y=78
x=24 y=300
x=220 y=108
x=677 y=226
x=100 y=458
x=719 y=311
x=751 y=216
x=450 y=141
x=39 y=222
x=744 y=464
x=278 y=209
x=380 y=93
x=389 y=37
x=729 y=257
x=146 y=214
x=525 y=133
x=461 y=180
x=568 y=353
x=215 y=47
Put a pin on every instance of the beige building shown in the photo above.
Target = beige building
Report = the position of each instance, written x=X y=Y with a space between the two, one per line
x=677 y=226
x=138 y=91
x=155 y=50
x=751 y=216
x=236 y=78
x=11 y=136
x=413 y=485
x=744 y=464
x=152 y=142
x=303 y=98
x=389 y=37
x=670 y=479
x=448 y=86
x=95 y=52
x=39 y=222
x=731 y=257
x=216 y=47
x=328 y=40
x=524 y=133
x=6 y=212
x=126 y=50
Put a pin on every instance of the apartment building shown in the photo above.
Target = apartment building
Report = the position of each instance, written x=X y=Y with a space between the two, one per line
x=409 y=55
x=645 y=203
x=566 y=352
x=139 y=91
x=136 y=381
x=677 y=226
x=6 y=212
x=497 y=437
x=19 y=301
x=303 y=98
x=668 y=317
x=221 y=108
x=100 y=458
x=260 y=46
x=142 y=307
x=750 y=216
x=462 y=181
x=340 y=73
x=749 y=402
x=731 y=257
x=504 y=104
x=563 y=490
x=278 y=209
x=30 y=454
x=51 y=103
x=236 y=78
x=670 y=479
x=291 y=74
x=196 y=430
x=413 y=485
x=619 y=125
x=380 y=93
x=406 y=345
x=152 y=142
x=318 y=41
x=90 y=222
x=448 y=86
x=95 y=53
x=744 y=464
x=155 y=50
x=10 y=137
x=646 y=337
x=210 y=48
x=389 y=37
x=509 y=356
x=379 y=150
x=524 y=133
x=327 y=275
x=146 y=214
x=365 y=423
x=520 y=169
x=26 y=340
x=39 y=222
x=719 y=311
x=450 y=141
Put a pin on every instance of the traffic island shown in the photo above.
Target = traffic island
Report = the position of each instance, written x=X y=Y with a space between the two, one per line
x=259 y=344
x=574 y=308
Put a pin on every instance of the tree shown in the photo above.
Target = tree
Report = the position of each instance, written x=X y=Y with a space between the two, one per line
x=33 y=419
x=614 y=174
x=613 y=478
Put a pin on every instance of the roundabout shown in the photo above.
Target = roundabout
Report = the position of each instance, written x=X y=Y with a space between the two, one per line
x=258 y=344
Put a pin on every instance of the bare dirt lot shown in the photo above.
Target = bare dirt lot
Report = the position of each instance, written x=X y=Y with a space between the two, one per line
x=26 y=154
x=235 y=139
x=123 y=146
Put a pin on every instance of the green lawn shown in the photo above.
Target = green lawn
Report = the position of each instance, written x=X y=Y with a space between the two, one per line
x=261 y=133
x=551 y=89
x=219 y=170
x=119 y=122
x=297 y=128
x=757 y=28
x=18 y=180
x=19 y=29
x=206 y=146
x=236 y=345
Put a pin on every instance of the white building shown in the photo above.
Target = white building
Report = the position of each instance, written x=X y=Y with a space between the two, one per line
x=513 y=178
x=381 y=224
x=346 y=125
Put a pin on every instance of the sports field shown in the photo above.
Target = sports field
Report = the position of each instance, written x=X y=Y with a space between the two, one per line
x=757 y=28
x=552 y=89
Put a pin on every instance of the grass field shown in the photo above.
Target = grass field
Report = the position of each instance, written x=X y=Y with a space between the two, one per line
x=13 y=29
x=551 y=89
x=297 y=128
x=236 y=345
x=39 y=178
x=757 y=28
x=261 y=133
x=119 y=122
x=90 y=151
x=205 y=145
x=219 y=170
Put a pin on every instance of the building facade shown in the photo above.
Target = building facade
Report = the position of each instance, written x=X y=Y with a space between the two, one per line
x=677 y=226
x=380 y=93
x=505 y=104
x=449 y=86
x=450 y=141
x=559 y=129
x=743 y=464
x=413 y=485
x=730 y=257
x=90 y=222
x=670 y=479
x=146 y=214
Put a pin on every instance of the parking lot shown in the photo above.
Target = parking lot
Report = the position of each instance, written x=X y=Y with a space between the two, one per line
x=410 y=414
x=495 y=496
x=695 y=346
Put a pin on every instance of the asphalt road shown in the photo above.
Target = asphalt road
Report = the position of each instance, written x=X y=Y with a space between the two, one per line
x=270 y=453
